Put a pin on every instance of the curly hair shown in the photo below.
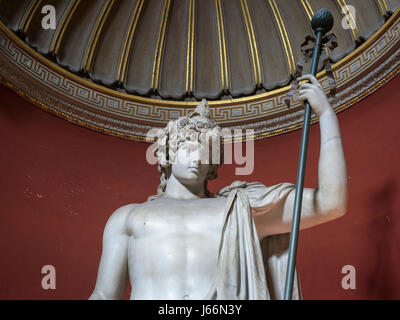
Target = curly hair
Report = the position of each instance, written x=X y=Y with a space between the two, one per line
x=196 y=126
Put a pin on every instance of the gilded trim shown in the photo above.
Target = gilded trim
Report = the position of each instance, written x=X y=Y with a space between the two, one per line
x=260 y=135
x=27 y=19
x=284 y=37
x=188 y=45
x=354 y=19
x=380 y=7
x=255 y=43
x=307 y=9
x=192 y=54
x=310 y=13
x=221 y=62
x=67 y=117
x=385 y=5
x=94 y=38
x=222 y=47
x=160 y=46
x=221 y=16
x=355 y=32
x=367 y=43
x=126 y=51
x=62 y=27
x=190 y=104
x=252 y=42
x=189 y=48
x=344 y=106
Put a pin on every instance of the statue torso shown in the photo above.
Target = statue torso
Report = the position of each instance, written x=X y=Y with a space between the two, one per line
x=173 y=247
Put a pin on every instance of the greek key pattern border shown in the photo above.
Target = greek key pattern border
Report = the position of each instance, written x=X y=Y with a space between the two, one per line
x=80 y=101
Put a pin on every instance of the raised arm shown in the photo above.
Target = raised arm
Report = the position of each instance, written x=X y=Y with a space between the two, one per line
x=112 y=276
x=329 y=200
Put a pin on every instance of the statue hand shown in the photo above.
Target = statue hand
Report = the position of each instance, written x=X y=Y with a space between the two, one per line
x=313 y=93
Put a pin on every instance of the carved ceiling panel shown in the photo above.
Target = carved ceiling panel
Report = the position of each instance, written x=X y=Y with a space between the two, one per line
x=126 y=66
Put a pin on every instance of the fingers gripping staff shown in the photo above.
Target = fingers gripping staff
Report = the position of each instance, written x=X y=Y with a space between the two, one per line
x=329 y=43
x=313 y=93
x=322 y=22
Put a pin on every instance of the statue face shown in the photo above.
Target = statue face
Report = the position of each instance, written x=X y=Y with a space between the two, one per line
x=190 y=167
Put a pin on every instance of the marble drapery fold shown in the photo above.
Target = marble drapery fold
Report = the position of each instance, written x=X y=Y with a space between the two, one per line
x=247 y=270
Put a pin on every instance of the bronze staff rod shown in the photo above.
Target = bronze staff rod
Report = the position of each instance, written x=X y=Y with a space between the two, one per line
x=322 y=23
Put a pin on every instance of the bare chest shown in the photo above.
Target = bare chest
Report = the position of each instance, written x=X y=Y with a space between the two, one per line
x=177 y=218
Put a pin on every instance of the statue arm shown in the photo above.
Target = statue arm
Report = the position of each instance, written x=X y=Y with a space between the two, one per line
x=329 y=200
x=112 y=275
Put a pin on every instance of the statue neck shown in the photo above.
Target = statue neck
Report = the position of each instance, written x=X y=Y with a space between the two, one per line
x=175 y=189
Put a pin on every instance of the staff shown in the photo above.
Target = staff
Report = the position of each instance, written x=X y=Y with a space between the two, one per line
x=322 y=22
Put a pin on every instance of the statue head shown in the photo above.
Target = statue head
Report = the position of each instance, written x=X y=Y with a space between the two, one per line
x=190 y=148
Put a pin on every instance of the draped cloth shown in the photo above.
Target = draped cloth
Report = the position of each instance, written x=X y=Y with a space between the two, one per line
x=246 y=269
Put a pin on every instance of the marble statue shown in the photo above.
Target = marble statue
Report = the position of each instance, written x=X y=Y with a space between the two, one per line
x=187 y=243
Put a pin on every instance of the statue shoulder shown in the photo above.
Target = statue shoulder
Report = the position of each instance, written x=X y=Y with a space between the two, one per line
x=124 y=210
x=117 y=222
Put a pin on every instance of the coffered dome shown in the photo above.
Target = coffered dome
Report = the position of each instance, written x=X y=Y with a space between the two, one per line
x=176 y=52
x=177 y=49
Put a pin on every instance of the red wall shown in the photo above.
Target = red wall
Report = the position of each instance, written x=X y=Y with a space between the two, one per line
x=60 y=182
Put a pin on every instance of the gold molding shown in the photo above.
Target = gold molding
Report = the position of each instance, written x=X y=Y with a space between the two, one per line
x=221 y=61
x=385 y=5
x=62 y=27
x=190 y=47
x=255 y=44
x=27 y=19
x=252 y=42
x=380 y=7
x=310 y=13
x=188 y=50
x=94 y=37
x=222 y=47
x=284 y=37
x=367 y=43
x=160 y=46
x=354 y=19
x=307 y=9
x=355 y=32
x=193 y=38
x=127 y=47
x=190 y=104
x=261 y=135
x=361 y=51
x=344 y=106
x=67 y=117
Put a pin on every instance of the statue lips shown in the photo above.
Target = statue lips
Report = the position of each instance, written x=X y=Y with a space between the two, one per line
x=195 y=170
